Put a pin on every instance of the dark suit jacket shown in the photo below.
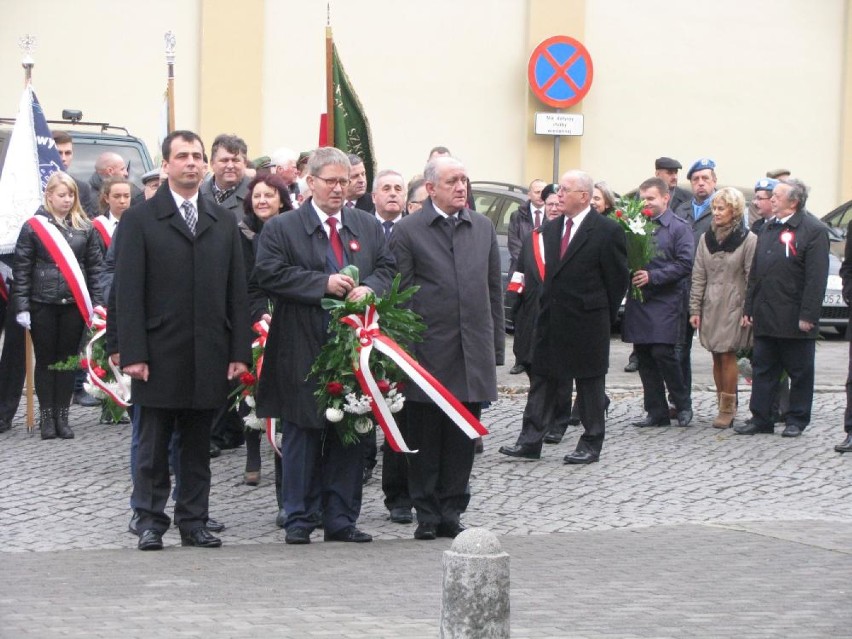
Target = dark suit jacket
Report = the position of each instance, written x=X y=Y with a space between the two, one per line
x=525 y=305
x=291 y=267
x=783 y=287
x=580 y=298
x=679 y=196
x=180 y=302
x=460 y=299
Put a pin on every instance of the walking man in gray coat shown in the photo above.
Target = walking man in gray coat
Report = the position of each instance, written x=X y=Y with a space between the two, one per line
x=451 y=253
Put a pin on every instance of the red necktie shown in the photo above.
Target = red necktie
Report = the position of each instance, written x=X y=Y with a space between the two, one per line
x=537 y=219
x=334 y=238
x=566 y=237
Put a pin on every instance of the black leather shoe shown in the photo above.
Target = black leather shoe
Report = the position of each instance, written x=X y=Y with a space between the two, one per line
x=450 y=530
x=401 y=515
x=524 y=451
x=350 y=534
x=425 y=532
x=82 y=398
x=214 y=526
x=215 y=451
x=752 y=428
x=653 y=421
x=280 y=518
x=5 y=425
x=150 y=540
x=580 y=457
x=199 y=537
x=298 y=535
x=133 y=526
x=791 y=431
x=846 y=446
x=517 y=369
x=684 y=417
x=632 y=366
x=554 y=436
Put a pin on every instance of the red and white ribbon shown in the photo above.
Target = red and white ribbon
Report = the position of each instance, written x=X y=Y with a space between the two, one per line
x=538 y=251
x=262 y=329
x=106 y=230
x=120 y=393
x=61 y=253
x=516 y=284
x=787 y=239
x=366 y=328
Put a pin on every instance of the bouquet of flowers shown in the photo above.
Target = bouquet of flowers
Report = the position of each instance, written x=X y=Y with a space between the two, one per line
x=244 y=393
x=339 y=393
x=103 y=378
x=635 y=219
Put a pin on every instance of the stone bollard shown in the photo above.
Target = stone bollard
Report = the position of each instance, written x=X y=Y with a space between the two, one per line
x=475 y=602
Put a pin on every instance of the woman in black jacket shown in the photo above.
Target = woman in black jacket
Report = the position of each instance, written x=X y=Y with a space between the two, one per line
x=267 y=196
x=43 y=298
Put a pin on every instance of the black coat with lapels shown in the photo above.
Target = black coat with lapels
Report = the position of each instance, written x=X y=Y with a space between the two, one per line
x=181 y=303
x=580 y=298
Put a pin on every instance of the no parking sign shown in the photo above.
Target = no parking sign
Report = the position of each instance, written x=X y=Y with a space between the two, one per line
x=560 y=71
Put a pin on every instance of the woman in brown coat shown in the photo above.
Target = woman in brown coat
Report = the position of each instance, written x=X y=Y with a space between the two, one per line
x=719 y=277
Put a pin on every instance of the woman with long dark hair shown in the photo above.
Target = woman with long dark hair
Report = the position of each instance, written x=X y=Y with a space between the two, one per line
x=50 y=305
x=267 y=196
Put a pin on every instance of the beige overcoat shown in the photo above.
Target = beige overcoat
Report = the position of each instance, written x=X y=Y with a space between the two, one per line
x=718 y=294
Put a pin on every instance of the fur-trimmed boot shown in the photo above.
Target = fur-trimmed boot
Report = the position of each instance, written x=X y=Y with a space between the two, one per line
x=727 y=410
x=62 y=428
x=46 y=424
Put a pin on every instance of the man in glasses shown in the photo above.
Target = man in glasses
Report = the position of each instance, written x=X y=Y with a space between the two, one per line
x=299 y=258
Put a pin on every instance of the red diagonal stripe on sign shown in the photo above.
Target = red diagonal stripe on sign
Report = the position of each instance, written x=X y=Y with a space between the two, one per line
x=561 y=70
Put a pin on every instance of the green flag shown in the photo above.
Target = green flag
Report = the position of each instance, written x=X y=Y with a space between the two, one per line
x=351 y=129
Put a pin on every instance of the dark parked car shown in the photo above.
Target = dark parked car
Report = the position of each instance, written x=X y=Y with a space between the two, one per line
x=498 y=200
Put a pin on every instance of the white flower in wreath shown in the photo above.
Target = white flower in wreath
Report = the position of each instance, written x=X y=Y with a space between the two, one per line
x=363 y=425
x=249 y=400
x=398 y=403
x=333 y=414
x=93 y=390
x=357 y=405
x=254 y=422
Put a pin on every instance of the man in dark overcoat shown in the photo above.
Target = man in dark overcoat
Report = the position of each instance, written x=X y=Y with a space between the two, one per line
x=656 y=325
x=297 y=265
x=451 y=253
x=586 y=274
x=182 y=327
x=786 y=286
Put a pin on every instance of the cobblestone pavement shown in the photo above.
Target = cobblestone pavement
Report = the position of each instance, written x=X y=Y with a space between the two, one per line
x=675 y=533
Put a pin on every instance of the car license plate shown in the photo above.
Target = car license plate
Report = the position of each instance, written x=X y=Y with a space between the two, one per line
x=833 y=299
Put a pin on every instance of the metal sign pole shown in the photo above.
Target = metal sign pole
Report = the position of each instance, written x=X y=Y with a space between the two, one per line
x=556 y=139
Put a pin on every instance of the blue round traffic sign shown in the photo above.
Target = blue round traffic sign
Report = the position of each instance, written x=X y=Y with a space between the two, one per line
x=560 y=71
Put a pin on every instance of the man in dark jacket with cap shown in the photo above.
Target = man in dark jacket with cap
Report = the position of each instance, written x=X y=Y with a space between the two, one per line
x=786 y=286
x=667 y=169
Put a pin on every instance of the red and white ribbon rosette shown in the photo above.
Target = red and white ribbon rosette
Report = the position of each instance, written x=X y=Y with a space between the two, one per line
x=120 y=392
x=787 y=239
x=366 y=328
x=262 y=330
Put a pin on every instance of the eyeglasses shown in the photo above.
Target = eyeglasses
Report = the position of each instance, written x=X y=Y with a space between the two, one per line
x=562 y=189
x=332 y=182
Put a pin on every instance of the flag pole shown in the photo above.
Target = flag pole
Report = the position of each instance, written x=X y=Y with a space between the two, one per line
x=329 y=80
x=170 y=63
x=27 y=44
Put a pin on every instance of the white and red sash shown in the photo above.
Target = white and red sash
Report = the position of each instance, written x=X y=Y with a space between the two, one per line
x=517 y=283
x=64 y=257
x=106 y=230
x=366 y=327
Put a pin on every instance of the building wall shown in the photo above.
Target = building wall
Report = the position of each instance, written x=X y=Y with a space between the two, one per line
x=105 y=58
x=755 y=85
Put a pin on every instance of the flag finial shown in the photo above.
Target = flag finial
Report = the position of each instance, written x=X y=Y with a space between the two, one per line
x=27 y=44
x=328 y=14
x=170 y=40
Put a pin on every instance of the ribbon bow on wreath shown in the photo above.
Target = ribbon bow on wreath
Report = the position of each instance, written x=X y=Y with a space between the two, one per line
x=117 y=391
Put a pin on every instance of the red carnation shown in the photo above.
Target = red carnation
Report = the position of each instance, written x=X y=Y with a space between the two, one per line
x=619 y=213
x=384 y=386
x=84 y=363
x=400 y=386
x=99 y=372
x=647 y=212
x=246 y=392
x=334 y=388
x=247 y=379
